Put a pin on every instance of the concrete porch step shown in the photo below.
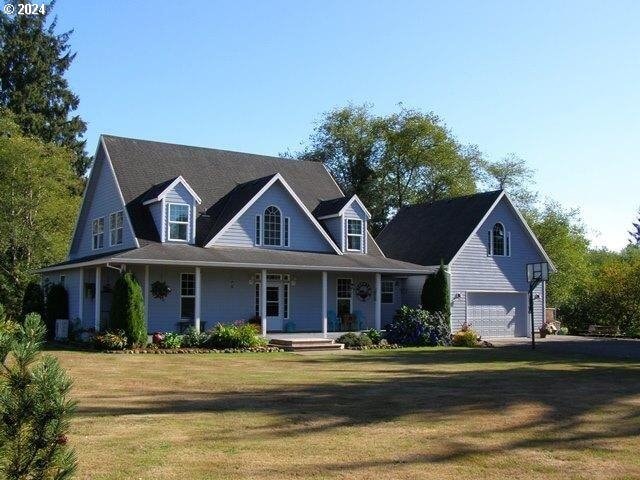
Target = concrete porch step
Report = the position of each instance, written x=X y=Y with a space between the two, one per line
x=306 y=344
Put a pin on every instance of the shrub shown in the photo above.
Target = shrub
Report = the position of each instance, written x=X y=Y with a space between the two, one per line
x=351 y=340
x=435 y=295
x=35 y=407
x=417 y=327
x=374 y=335
x=172 y=340
x=563 y=331
x=57 y=306
x=116 y=340
x=127 y=309
x=33 y=300
x=465 y=338
x=241 y=335
x=192 y=338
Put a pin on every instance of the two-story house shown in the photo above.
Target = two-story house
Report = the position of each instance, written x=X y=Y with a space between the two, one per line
x=233 y=236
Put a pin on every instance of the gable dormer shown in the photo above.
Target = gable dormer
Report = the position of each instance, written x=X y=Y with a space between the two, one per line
x=172 y=205
x=346 y=219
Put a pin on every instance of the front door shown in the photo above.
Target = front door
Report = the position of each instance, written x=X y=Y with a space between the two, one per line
x=274 y=307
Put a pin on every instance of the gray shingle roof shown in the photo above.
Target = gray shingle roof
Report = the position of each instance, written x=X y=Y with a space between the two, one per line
x=432 y=232
x=330 y=207
x=181 y=254
x=141 y=165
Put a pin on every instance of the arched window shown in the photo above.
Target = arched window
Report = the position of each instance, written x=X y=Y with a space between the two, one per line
x=272 y=226
x=498 y=239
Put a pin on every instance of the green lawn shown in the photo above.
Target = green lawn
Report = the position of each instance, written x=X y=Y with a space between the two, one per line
x=425 y=413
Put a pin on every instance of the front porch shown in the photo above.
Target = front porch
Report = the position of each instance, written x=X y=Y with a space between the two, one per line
x=292 y=303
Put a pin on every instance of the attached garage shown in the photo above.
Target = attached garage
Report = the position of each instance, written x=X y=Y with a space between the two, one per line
x=498 y=314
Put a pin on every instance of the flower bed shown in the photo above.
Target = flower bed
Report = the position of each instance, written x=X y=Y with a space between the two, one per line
x=172 y=351
x=387 y=346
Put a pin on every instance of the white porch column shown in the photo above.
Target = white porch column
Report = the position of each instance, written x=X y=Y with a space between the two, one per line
x=324 y=303
x=378 y=311
x=263 y=301
x=196 y=317
x=81 y=295
x=97 y=298
x=146 y=295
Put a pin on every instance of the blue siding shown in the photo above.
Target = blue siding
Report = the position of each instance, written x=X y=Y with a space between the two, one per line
x=101 y=199
x=156 y=212
x=304 y=234
x=334 y=226
x=474 y=270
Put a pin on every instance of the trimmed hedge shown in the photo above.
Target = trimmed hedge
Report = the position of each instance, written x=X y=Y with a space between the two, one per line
x=127 y=309
x=417 y=327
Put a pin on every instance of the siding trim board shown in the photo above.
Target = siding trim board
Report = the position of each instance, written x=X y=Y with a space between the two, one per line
x=276 y=178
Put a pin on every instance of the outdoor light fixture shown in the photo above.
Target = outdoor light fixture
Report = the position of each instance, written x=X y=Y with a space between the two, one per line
x=457 y=296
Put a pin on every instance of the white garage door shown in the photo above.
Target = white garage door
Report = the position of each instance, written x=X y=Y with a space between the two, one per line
x=498 y=314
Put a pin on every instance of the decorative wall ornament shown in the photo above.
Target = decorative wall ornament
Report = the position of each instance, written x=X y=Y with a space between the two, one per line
x=362 y=290
x=160 y=289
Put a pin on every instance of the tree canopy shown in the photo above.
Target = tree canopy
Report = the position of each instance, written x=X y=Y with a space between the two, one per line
x=39 y=205
x=33 y=62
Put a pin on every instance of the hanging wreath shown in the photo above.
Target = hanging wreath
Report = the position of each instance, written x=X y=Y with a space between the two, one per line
x=363 y=290
x=160 y=290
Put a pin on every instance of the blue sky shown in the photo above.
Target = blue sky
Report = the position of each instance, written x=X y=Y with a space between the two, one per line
x=555 y=82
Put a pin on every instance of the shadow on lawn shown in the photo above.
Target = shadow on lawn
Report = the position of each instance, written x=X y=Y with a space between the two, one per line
x=565 y=396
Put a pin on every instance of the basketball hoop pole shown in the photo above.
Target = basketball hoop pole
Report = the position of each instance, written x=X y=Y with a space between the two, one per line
x=532 y=287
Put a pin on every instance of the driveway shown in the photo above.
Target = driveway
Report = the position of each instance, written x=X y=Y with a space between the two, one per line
x=592 y=346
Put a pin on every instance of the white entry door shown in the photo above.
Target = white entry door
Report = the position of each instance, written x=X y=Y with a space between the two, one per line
x=274 y=307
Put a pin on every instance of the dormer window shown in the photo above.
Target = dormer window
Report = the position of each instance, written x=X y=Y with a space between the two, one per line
x=178 y=222
x=272 y=227
x=354 y=234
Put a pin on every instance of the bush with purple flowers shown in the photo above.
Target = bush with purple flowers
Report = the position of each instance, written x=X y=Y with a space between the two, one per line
x=417 y=327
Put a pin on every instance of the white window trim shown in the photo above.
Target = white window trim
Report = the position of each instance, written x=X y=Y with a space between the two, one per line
x=186 y=296
x=169 y=222
x=344 y=298
x=504 y=240
x=393 y=291
x=257 y=234
x=361 y=235
x=116 y=227
x=93 y=235
x=508 y=244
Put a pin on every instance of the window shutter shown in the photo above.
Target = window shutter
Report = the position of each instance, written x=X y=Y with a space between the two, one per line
x=490 y=244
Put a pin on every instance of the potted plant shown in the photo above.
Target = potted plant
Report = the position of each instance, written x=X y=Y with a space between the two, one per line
x=160 y=290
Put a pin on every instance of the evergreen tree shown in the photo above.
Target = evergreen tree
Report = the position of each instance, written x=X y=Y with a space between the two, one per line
x=435 y=293
x=34 y=407
x=33 y=61
x=127 y=309
x=33 y=300
x=635 y=233
x=57 y=306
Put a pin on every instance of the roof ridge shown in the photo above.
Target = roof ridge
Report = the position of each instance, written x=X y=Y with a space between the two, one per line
x=198 y=147
x=460 y=197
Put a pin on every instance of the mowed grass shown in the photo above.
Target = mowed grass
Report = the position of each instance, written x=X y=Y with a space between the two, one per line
x=419 y=413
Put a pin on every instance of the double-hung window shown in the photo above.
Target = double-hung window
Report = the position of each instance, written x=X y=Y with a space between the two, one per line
x=115 y=228
x=178 y=221
x=386 y=291
x=187 y=296
x=97 y=230
x=354 y=234
x=344 y=296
